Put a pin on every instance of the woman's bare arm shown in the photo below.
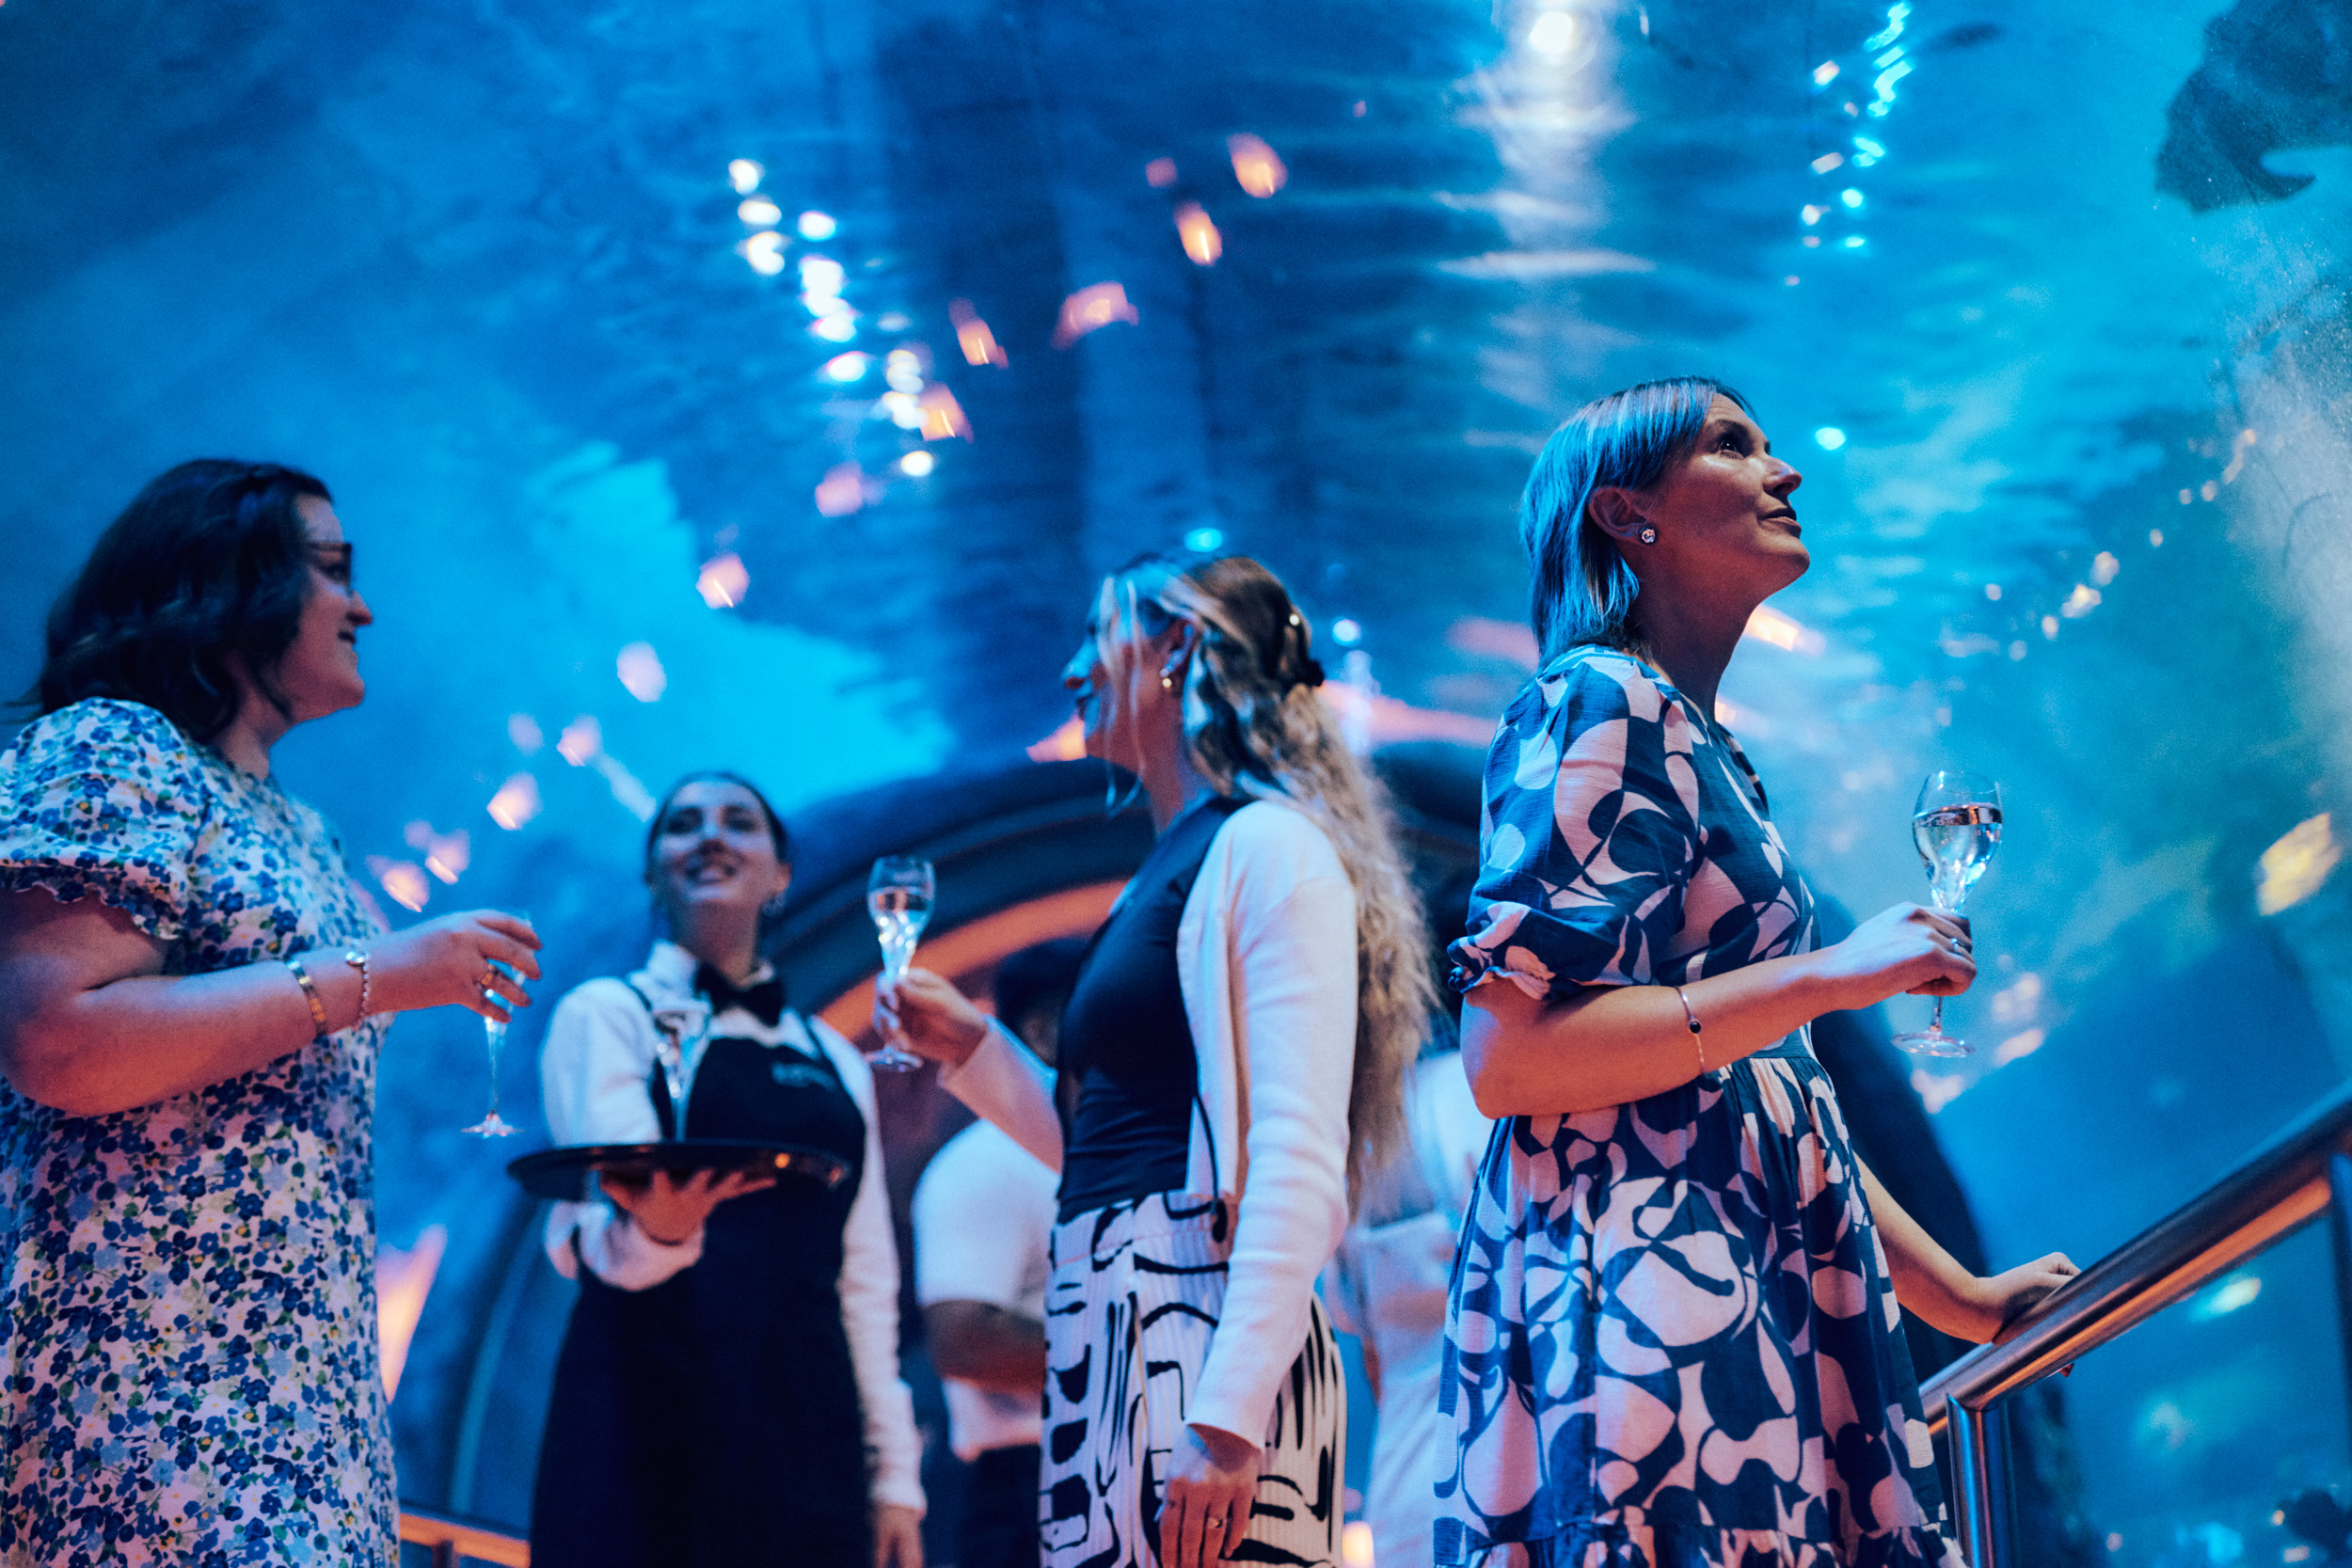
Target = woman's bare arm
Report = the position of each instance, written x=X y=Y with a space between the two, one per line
x=1933 y=1286
x=89 y=1025
x=1621 y=1043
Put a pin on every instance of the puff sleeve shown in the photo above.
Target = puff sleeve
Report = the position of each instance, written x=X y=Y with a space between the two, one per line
x=105 y=799
x=1589 y=835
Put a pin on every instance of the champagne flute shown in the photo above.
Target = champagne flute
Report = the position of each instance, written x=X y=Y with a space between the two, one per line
x=898 y=897
x=492 y=1125
x=1957 y=826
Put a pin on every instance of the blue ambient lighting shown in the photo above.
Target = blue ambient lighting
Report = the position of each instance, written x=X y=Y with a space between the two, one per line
x=1204 y=539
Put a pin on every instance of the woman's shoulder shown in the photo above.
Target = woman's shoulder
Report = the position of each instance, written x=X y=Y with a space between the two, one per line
x=103 y=734
x=1280 y=830
x=1603 y=682
x=604 y=996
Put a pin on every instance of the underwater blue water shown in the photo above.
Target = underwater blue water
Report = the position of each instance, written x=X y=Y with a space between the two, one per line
x=477 y=263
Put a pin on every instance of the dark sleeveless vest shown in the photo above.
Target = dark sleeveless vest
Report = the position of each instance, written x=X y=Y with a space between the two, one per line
x=714 y=1420
x=1128 y=1076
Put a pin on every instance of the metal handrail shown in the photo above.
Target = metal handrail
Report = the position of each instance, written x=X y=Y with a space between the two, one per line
x=455 y=1541
x=2272 y=1192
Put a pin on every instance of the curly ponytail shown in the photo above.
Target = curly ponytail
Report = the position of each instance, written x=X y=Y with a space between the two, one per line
x=1258 y=727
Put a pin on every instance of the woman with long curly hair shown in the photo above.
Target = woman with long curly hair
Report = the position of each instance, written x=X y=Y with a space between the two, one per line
x=1230 y=1060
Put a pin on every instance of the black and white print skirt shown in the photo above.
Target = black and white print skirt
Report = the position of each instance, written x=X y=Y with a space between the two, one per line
x=1136 y=1291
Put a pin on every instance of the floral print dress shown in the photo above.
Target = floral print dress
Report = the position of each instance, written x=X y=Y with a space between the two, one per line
x=188 y=1370
x=1672 y=1337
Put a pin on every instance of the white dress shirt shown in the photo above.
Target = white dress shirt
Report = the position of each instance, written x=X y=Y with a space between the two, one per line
x=1388 y=1286
x=595 y=1070
x=1265 y=952
x=983 y=1215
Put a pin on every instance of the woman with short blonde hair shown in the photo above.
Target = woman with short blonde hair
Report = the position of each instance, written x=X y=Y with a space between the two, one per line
x=1673 y=1320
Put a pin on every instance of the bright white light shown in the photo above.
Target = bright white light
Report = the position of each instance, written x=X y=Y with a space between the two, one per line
x=1851 y=197
x=1830 y=437
x=1824 y=73
x=2227 y=1298
x=524 y=730
x=903 y=410
x=583 y=739
x=722 y=581
x=516 y=802
x=1854 y=241
x=847 y=367
x=1813 y=215
x=1553 y=35
x=836 y=330
x=744 y=175
x=758 y=211
x=917 y=465
x=1346 y=632
x=903 y=369
x=818 y=226
x=820 y=276
x=893 y=320
x=1204 y=539
x=764 y=251
x=639 y=669
x=1827 y=161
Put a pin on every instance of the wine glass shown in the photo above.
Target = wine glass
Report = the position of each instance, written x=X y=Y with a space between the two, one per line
x=898 y=897
x=492 y=1125
x=1957 y=826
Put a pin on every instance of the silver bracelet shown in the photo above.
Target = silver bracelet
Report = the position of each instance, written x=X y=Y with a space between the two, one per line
x=357 y=958
x=1696 y=1038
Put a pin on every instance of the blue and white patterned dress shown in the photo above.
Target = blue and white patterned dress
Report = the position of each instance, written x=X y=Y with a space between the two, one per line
x=189 y=1366
x=1673 y=1337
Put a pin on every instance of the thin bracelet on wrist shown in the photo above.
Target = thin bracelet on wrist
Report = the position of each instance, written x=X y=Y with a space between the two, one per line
x=310 y=994
x=357 y=958
x=1697 y=1038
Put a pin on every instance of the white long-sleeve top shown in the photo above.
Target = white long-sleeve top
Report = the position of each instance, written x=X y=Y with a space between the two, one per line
x=1265 y=953
x=595 y=1071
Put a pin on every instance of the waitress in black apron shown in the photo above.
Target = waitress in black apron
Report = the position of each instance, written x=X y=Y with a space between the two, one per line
x=729 y=1391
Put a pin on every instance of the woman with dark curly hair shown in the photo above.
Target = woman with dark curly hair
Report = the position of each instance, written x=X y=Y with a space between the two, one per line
x=192 y=995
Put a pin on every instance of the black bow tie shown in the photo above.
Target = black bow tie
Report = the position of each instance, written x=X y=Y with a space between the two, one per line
x=763 y=1000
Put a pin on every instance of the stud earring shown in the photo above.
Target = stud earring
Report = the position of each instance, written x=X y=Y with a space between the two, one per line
x=1168 y=682
x=1649 y=536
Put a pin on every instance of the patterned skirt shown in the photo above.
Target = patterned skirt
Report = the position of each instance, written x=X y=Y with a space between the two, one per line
x=1672 y=1342
x=1134 y=1299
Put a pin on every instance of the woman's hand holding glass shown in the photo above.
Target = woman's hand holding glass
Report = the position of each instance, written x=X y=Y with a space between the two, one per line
x=1909 y=950
x=926 y=1013
x=449 y=962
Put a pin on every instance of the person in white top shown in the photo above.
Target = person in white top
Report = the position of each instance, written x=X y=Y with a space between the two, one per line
x=1232 y=1052
x=983 y=1219
x=729 y=1389
x=1387 y=1287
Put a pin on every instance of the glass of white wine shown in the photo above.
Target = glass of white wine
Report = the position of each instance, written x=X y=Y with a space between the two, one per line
x=898 y=897
x=492 y=1125
x=1957 y=826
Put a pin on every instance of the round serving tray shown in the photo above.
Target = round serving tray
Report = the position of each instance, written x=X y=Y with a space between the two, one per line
x=568 y=1175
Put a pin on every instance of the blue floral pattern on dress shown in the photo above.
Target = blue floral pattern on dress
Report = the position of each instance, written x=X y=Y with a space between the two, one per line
x=1671 y=1339
x=189 y=1364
